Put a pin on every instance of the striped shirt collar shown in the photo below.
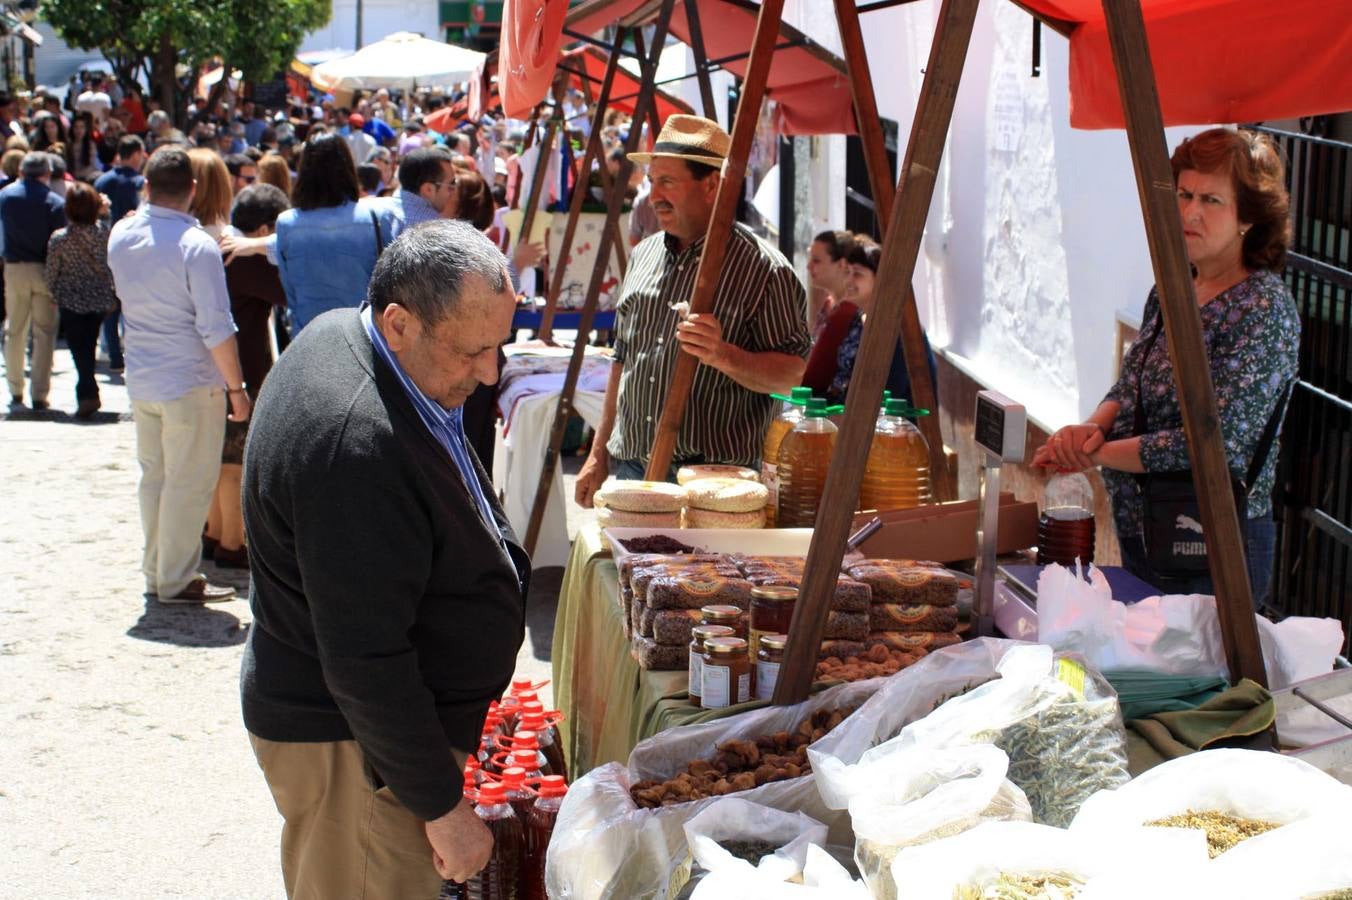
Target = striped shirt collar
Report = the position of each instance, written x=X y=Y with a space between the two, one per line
x=446 y=425
x=416 y=209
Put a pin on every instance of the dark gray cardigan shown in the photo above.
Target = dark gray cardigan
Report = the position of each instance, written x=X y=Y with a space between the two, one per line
x=384 y=607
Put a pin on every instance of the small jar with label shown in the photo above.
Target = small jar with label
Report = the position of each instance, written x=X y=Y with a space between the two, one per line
x=771 y=612
x=768 y=660
x=732 y=616
x=727 y=673
x=698 y=635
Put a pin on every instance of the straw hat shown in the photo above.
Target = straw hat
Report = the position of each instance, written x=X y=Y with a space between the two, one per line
x=689 y=137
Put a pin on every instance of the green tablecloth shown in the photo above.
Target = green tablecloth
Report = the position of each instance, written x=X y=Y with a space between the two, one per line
x=609 y=703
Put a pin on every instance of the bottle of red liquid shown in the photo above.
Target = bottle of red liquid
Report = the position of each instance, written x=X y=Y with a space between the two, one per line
x=547 y=736
x=519 y=793
x=498 y=880
x=488 y=741
x=508 y=710
x=474 y=773
x=456 y=890
x=527 y=761
x=529 y=740
x=539 y=828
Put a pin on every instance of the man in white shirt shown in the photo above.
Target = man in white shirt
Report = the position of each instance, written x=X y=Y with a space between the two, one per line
x=95 y=102
x=360 y=143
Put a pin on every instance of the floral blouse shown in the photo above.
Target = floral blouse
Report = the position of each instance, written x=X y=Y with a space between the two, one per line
x=77 y=269
x=1252 y=336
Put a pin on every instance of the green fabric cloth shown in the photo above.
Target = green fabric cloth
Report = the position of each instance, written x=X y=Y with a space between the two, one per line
x=1143 y=694
x=1242 y=716
x=610 y=703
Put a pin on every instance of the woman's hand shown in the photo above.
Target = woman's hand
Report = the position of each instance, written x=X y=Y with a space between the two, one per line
x=234 y=246
x=525 y=255
x=1071 y=448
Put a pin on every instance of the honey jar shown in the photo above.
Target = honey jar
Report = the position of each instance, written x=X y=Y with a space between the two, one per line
x=698 y=635
x=768 y=660
x=727 y=673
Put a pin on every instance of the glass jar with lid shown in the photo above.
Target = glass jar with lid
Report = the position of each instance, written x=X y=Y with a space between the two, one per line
x=768 y=660
x=727 y=673
x=771 y=612
x=698 y=635
x=733 y=617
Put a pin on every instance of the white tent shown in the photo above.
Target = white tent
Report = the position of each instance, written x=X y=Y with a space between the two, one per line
x=401 y=60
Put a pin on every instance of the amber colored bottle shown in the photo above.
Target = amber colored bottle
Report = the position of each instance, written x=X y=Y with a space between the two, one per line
x=547 y=736
x=804 y=459
x=539 y=828
x=790 y=415
x=897 y=475
x=498 y=879
x=519 y=793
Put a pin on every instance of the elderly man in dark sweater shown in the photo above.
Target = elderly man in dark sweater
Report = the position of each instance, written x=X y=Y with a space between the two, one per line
x=388 y=589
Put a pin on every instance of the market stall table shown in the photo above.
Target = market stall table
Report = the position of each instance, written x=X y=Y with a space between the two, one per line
x=528 y=393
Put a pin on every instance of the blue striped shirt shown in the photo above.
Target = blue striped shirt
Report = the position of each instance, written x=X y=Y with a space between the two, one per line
x=446 y=425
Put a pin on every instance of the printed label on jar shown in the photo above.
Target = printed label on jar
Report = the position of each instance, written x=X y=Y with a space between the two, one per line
x=744 y=687
x=714 y=687
x=695 y=685
x=767 y=673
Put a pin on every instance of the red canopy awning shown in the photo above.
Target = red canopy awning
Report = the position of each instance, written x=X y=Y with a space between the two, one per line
x=809 y=84
x=590 y=63
x=1215 y=61
x=527 y=51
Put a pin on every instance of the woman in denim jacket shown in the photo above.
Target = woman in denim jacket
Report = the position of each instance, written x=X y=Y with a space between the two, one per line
x=328 y=242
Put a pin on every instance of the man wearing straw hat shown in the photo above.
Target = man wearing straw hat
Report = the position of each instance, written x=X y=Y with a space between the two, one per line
x=753 y=343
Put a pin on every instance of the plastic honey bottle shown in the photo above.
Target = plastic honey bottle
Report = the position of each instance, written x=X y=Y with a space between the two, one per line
x=539 y=828
x=1065 y=530
x=897 y=475
x=804 y=458
x=498 y=880
x=790 y=414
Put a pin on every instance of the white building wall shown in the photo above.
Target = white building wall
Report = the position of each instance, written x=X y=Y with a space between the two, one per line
x=380 y=18
x=1034 y=240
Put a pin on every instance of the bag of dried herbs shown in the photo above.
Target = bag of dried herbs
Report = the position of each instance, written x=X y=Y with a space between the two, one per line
x=1057 y=720
x=901 y=796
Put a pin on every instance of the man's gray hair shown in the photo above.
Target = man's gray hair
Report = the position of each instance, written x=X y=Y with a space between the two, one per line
x=425 y=270
x=36 y=164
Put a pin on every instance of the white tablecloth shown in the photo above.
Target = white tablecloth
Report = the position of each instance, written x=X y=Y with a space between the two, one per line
x=517 y=466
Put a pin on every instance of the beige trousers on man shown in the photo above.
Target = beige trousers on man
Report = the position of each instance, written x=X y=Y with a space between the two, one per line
x=343 y=839
x=28 y=302
x=178 y=444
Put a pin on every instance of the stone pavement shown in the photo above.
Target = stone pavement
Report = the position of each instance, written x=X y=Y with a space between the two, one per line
x=125 y=770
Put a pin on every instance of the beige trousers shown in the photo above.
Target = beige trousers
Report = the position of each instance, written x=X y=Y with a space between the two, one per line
x=343 y=839
x=28 y=303
x=178 y=444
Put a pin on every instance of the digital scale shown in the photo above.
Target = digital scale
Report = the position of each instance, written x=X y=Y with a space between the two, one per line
x=1000 y=431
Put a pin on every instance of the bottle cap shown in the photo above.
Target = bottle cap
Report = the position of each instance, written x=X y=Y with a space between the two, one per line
x=532 y=706
x=533 y=722
x=797 y=397
x=527 y=696
x=492 y=793
x=522 y=684
x=899 y=407
x=513 y=777
x=525 y=740
x=553 y=786
x=525 y=759
x=816 y=408
x=472 y=764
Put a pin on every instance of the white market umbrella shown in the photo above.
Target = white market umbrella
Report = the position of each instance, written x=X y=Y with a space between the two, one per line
x=402 y=60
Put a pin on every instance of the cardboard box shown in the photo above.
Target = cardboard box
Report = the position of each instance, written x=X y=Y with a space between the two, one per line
x=946 y=532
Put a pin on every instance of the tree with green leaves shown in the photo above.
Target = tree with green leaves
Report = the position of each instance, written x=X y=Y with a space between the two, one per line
x=157 y=37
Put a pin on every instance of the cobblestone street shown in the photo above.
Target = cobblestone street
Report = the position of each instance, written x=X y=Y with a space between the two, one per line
x=125 y=770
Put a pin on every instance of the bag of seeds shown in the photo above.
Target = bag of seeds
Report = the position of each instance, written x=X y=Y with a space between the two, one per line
x=1232 y=795
x=904 y=796
x=752 y=843
x=1057 y=720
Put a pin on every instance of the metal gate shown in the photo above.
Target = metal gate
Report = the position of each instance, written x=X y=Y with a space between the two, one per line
x=1313 y=575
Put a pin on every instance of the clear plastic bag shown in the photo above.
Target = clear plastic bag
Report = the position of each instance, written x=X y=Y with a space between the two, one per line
x=731 y=819
x=606 y=847
x=823 y=879
x=1249 y=783
x=902 y=796
x=1058 y=722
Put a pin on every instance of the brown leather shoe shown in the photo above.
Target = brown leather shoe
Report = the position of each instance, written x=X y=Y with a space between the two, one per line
x=88 y=406
x=199 y=591
x=231 y=559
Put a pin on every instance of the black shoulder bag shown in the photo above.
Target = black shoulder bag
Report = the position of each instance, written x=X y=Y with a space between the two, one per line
x=1172 y=524
x=380 y=238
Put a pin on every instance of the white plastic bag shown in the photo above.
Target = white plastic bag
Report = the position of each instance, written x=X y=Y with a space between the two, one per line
x=901 y=796
x=732 y=819
x=1249 y=783
x=1304 y=859
x=606 y=847
x=1177 y=634
x=823 y=879
x=1058 y=722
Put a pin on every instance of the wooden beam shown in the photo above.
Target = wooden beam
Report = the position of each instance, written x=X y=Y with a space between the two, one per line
x=580 y=190
x=614 y=203
x=923 y=393
x=1183 y=330
x=706 y=89
x=719 y=230
x=901 y=245
x=537 y=181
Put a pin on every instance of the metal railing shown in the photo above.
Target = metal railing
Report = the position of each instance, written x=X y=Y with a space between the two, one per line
x=1313 y=503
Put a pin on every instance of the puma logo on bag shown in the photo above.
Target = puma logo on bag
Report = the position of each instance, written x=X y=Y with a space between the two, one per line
x=1187 y=523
